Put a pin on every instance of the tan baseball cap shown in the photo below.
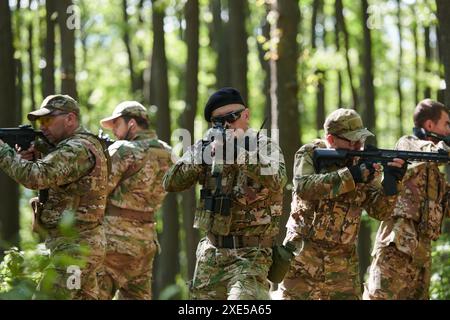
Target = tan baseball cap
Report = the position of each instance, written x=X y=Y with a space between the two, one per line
x=346 y=123
x=125 y=108
x=52 y=103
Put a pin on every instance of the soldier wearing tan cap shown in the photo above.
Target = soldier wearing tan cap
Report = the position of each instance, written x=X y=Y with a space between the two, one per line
x=139 y=162
x=326 y=212
x=72 y=184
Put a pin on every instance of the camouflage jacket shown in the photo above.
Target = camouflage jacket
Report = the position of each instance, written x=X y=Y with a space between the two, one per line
x=255 y=189
x=75 y=173
x=138 y=167
x=326 y=206
x=421 y=206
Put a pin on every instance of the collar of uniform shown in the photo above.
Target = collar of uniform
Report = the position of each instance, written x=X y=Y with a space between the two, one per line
x=80 y=129
x=145 y=134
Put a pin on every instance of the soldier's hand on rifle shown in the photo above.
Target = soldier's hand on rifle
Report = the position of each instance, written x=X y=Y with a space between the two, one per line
x=29 y=154
x=363 y=172
x=396 y=168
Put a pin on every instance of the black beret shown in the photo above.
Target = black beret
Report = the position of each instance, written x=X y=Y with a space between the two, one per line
x=221 y=98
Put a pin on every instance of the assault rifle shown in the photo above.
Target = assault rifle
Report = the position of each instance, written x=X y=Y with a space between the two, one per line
x=323 y=158
x=22 y=136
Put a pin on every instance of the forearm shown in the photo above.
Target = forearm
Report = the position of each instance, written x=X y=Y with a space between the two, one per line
x=324 y=186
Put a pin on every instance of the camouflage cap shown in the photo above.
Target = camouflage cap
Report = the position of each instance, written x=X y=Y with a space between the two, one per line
x=125 y=108
x=346 y=123
x=52 y=103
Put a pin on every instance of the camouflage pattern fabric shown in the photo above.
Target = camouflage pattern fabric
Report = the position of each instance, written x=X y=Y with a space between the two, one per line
x=323 y=273
x=132 y=244
x=326 y=213
x=407 y=236
x=225 y=274
x=255 y=211
x=76 y=175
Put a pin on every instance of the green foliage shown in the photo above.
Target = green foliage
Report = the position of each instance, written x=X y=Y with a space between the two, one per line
x=20 y=272
x=440 y=279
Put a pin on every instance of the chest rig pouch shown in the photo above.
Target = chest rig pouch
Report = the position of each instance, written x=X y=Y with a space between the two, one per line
x=214 y=214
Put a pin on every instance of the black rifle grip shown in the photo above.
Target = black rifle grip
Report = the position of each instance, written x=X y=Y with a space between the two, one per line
x=389 y=185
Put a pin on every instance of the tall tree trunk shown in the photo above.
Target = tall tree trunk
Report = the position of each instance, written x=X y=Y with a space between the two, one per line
x=126 y=40
x=416 y=55
x=337 y=43
x=189 y=201
x=343 y=28
x=427 y=42
x=320 y=74
x=443 y=8
x=286 y=90
x=31 y=60
x=19 y=65
x=67 y=32
x=168 y=265
x=9 y=197
x=368 y=116
x=369 y=119
x=48 y=72
x=399 y=70
x=221 y=44
x=238 y=41
x=140 y=71
x=265 y=65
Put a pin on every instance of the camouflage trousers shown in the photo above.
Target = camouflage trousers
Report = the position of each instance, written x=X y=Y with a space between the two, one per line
x=394 y=276
x=128 y=267
x=231 y=274
x=322 y=273
x=74 y=264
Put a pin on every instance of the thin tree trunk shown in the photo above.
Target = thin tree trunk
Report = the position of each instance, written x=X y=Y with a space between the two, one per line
x=343 y=28
x=369 y=115
x=168 y=265
x=238 y=41
x=68 y=65
x=221 y=44
x=19 y=66
x=364 y=246
x=9 y=197
x=399 y=70
x=126 y=40
x=427 y=40
x=416 y=56
x=320 y=74
x=337 y=43
x=287 y=89
x=48 y=72
x=31 y=61
x=189 y=201
x=265 y=65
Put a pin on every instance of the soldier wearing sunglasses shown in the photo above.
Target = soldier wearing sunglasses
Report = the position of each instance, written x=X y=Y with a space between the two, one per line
x=326 y=213
x=72 y=180
x=239 y=209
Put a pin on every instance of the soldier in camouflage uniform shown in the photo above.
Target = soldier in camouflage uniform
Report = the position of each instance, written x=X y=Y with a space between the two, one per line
x=326 y=212
x=72 y=180
x=234 y=258
x=401 y=265
x=139 y=162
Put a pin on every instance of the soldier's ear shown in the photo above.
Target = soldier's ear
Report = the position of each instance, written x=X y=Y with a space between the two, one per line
x=428 y=125
x=330 y=139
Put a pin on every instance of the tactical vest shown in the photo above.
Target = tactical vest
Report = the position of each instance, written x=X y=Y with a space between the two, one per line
x=332 y=221
x=86 y=197
x=256 y=210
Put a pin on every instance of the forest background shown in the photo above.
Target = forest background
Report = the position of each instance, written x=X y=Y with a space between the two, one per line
x=293 y=61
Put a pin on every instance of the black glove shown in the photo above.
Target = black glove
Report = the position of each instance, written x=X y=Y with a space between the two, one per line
x=362 y=172
x=396 y=172
x=392 y=175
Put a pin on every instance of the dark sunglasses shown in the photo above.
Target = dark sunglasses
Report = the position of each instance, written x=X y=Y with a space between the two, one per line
x=229 y=117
